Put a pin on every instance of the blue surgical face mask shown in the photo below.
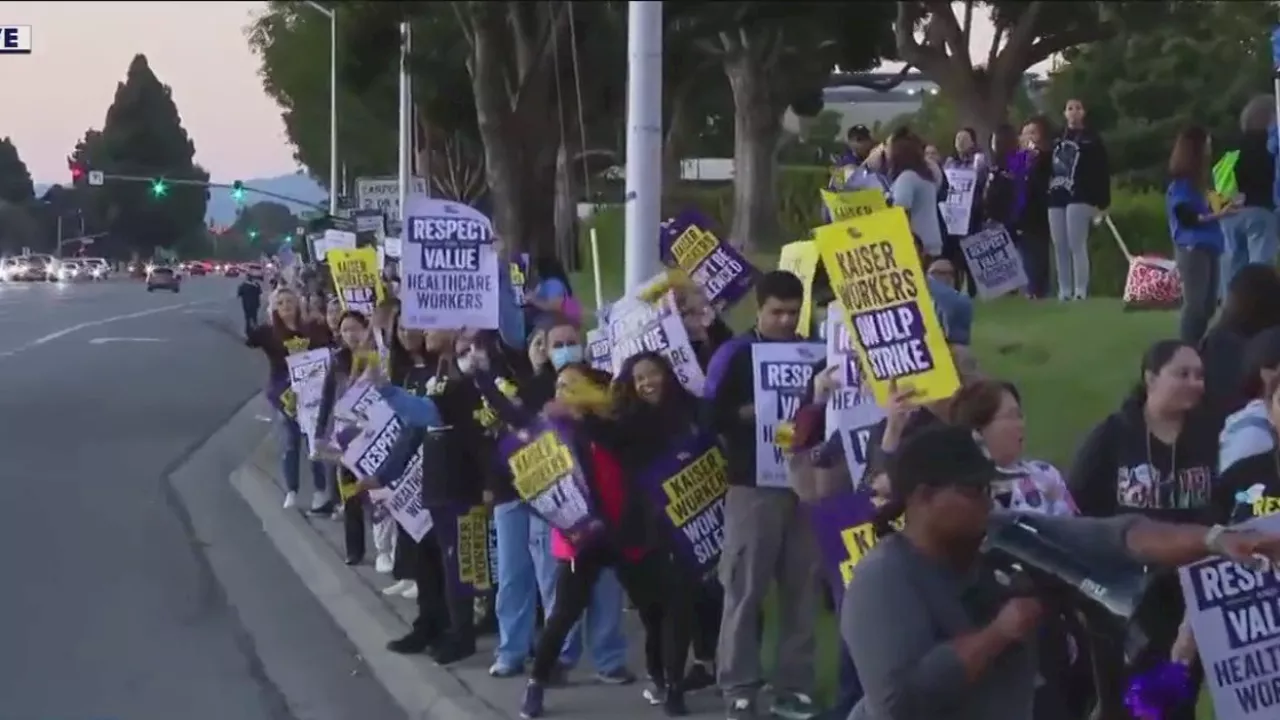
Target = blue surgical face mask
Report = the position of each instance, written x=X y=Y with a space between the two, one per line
x=566 y=355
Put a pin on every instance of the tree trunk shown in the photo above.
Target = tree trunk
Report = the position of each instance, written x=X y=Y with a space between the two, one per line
x=566 y=209
x=520 y=161
x=757 y=126
x=979 y=105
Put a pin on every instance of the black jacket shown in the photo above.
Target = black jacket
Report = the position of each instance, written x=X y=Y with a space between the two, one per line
x=1081 y=172
x=1256 y=171
x=1248 y=489
x=636 y=438
x=1035 y=208
x=1121 y=468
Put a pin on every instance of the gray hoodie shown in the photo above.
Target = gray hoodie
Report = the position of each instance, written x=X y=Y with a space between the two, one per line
x=1246 y=432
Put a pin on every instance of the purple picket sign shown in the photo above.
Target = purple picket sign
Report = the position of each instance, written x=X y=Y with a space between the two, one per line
x=722 y=272
x=688 y=486
x=548 y=476
x=842 y=525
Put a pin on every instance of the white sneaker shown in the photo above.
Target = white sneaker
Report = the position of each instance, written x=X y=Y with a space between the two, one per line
x=384 y=563
x=411 y=592
x=318 y=500
x=397 y=588
x=290 y=500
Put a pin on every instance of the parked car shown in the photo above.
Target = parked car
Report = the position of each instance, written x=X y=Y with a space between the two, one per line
x=163 y=278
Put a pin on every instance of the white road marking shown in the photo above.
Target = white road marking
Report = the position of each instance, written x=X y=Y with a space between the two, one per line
x=98 y=323
x=105 y=340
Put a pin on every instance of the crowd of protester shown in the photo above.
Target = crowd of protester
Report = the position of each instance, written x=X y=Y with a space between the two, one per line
x=926 y=632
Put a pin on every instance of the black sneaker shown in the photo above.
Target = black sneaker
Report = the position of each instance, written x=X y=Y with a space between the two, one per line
x=654 y=692
x=701 y=675
x=413 y=643
x=451 y=651
x=673 y=703
x=323 y=511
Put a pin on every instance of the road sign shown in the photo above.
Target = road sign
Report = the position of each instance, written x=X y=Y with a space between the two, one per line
x=95 y=178
x=383 y=194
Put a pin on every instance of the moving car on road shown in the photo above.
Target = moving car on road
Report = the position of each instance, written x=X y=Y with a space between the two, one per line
x=70 y=270
x=36 y=267
x=97 y=268
x=162 y=277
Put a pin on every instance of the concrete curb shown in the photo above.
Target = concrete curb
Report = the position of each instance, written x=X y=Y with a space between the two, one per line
x=424 y=690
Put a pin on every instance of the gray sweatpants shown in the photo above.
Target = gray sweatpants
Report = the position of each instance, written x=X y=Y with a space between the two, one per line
x=1069 y=229
x=767 y=538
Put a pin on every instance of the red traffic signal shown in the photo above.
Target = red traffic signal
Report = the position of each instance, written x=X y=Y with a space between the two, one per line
x=77 y=171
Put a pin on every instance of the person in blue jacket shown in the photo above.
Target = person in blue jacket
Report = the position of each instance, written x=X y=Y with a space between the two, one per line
x=1195 y=230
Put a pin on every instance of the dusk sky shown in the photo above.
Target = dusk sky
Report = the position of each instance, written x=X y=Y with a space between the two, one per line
x=81 y=50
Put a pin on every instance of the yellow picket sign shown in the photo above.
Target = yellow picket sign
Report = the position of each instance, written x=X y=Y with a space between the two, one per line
x=800 y=258
x=853 y=204
x=356 y=278
x=876 y=276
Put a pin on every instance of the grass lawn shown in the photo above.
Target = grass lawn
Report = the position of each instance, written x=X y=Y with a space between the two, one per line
x=1073 y=364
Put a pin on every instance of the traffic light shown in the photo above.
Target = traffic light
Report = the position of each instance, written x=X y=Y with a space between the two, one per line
x=77 y=171
x=159 y=188
x=253 y=235
x=237 y=191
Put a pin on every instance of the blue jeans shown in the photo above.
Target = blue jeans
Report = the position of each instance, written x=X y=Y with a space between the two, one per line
x=1250 y=236
x=291 y=458
x=525 y=566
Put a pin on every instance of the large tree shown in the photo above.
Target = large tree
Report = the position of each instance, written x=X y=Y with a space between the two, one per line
x=778 y=55
x=1142 y=87
x=143 y=137
x=933 y=38
x=15 y=179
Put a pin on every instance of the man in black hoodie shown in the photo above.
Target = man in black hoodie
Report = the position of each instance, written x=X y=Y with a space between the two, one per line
x=1079 y=189
x=766 y=535
x=1250 y=232
x=250 y=295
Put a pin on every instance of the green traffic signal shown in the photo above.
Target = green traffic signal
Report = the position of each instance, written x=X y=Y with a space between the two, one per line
x=253 y=234
x=159 y=188
x=237 y=191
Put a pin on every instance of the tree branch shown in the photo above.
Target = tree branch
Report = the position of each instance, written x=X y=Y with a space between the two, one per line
x=967 y=30
x=912 y=51
x=994 y=50
x=858 y=80
x=539 y=53
x=941 y=14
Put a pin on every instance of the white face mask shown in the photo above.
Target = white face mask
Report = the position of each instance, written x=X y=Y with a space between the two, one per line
x=466 y=364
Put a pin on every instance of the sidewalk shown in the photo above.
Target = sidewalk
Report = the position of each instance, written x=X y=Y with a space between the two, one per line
x=464 y=691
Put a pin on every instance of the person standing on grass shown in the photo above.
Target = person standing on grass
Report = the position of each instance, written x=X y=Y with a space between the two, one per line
x=1079 y=189
x=1033 y=226
x=1156 y=456
x=767 y=537
x=1196 y=231
x=1251 y=307
x=1251 y=234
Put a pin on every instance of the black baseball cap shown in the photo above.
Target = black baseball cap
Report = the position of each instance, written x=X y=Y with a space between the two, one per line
x=940 y=456
x=858 y=132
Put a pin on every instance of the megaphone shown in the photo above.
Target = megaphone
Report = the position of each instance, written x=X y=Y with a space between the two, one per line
x=1107 y=589
x=1108 y=594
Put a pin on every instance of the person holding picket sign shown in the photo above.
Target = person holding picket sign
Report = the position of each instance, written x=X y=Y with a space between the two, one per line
x=644 y=567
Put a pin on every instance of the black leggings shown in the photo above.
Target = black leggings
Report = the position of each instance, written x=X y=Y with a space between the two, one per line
x=651 y=584
x=405 y=566
x=954 y=254
x=353 y=525
x=708 y=607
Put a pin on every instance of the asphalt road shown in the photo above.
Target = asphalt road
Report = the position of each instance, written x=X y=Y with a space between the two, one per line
x=110 y=608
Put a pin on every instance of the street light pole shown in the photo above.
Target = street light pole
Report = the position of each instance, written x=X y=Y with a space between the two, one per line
x=333 y=102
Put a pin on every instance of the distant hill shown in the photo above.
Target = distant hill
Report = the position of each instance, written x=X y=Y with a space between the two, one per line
x=222 y=207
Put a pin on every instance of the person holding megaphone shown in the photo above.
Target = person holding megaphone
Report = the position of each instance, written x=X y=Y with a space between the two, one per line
x=936 y=632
